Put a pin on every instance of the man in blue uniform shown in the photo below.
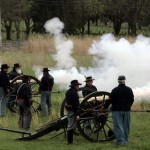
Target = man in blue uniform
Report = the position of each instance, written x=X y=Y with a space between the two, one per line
x=16 y=71
x=24 y=100
x=89 y=87
x=122 y=99
x=72 y=105
x=45 y=88
x=4 y=84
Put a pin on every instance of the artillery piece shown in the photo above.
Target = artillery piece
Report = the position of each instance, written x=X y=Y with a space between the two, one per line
x=14 y=84
x=93 y=124
x=90 y=115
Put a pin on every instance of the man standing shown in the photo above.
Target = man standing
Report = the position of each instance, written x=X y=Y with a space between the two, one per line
x=122 y=99
x=89 y=87
x=45 y=88
x=72 y=105
x=15 y=72
x=24 y=102
x=4 y=84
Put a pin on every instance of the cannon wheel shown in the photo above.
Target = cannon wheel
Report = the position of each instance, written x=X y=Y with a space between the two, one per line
x=33 y=82
x=62 y=109
x=94 y=123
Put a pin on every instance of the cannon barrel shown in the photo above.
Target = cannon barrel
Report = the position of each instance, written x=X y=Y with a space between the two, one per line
x=140 y=110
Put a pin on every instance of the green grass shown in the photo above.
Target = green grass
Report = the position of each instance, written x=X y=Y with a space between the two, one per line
x=139 y=137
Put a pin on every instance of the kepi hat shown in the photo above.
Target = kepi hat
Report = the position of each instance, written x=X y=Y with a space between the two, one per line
x=45 y=70
x=4 y=66
x=74 y=83
x=121 y=77
x=89 y=79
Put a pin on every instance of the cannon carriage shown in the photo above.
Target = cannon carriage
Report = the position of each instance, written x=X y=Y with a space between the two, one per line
x=12 y=95
x=94 y=124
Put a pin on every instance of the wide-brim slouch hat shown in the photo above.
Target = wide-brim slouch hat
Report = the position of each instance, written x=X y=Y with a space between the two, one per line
x=74 y=83
x=89 y=79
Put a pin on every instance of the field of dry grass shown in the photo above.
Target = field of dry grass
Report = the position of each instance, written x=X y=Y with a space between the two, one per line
x=46 y=44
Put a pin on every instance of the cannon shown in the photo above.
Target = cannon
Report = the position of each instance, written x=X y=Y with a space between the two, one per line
x=100 y=123
x=90 y=115
x=14 y=84
x=93 y=124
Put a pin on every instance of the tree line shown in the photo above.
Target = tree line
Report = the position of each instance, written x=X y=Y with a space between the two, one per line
x=76 y=15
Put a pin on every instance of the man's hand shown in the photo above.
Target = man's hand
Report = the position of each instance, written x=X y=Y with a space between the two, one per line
x=68 y=107
x=102 y=109
x=77 y=117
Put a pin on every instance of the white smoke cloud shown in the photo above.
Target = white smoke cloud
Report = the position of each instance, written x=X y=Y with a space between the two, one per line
x=63 y=45
x=54 y=26
x=111 y=58
x=38 y=71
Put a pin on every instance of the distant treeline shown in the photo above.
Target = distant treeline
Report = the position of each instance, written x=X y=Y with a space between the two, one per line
x=79 y=16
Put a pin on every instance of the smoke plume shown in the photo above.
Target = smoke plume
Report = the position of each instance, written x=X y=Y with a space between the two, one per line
x=111 y=58
x=63 y=45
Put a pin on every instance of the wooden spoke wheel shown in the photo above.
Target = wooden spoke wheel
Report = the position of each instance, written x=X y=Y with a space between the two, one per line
x=95 y=122
x=15 y=83
x=63 y=111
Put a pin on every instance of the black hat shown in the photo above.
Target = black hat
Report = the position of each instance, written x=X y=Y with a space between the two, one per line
x=88 y=79
x=4 y=66
x=74 y=83
x=16 y=65
x=122 y=77
x=45 y=70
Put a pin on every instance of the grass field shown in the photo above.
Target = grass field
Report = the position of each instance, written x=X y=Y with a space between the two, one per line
x=139 y=135
x=36 y=53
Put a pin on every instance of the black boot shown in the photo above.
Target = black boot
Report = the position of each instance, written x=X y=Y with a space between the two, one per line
x=70 y=136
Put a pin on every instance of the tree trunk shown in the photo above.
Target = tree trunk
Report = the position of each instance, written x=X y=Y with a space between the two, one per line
x=8 y=25
x=132 y=29
x=96 y=21
x=17 y=26
x=132 y=24
x=117 y=22
x=82 y=11
x=27 y=24
x=88 y=31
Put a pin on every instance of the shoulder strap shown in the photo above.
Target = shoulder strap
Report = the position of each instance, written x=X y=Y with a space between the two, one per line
x=20 y=88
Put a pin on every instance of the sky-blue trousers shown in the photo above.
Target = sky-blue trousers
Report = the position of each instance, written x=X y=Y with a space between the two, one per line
x=45 y=101
x=3 y=101
x=121 y=123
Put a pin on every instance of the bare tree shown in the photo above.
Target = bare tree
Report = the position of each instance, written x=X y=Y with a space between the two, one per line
x=14 y=11
x=133 y=10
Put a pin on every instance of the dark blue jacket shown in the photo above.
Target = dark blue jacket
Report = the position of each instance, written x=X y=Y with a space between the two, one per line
x=4 y=81
x=47 y=83
x=87 y=92
x=121 y=98
x=24 y=92
x=72 y=99
x=13 y=74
